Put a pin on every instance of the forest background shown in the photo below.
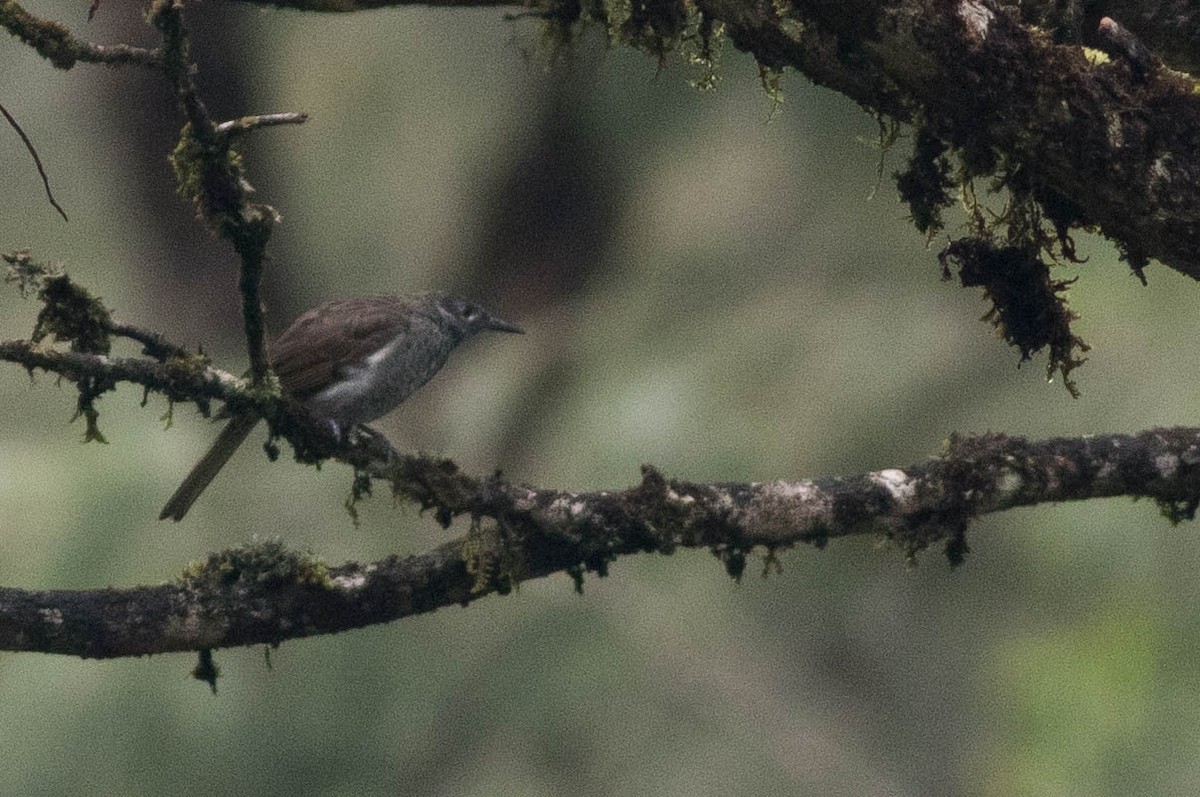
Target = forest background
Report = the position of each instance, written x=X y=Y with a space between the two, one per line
x=725 y=289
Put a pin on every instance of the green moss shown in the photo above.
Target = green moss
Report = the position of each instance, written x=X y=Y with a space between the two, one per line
x=925 y=185
x=183 y=372
x=672 y=514
x=360 y=488
x=494 y=559
x=87 y=410
x=772 y=82
x=186 y=368
x=703 y=50
x=1029 y=309
x=70 y=314
x=733 y=559
x=26 y=273
x=258 y=564
x=964 y=477
x=996 y=138
x=1009 y=253
x=435 y=484
x=771 y=562
x=1177 y=511
x=52 y=40
x=653 y=26
x=575 y=571
x=666 y=518
x=209 y=176
x=206 y=669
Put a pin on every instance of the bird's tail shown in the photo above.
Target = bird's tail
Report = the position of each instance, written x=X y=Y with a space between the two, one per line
x=232 y=436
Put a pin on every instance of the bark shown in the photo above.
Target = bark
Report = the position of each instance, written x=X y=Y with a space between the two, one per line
x=264 y=594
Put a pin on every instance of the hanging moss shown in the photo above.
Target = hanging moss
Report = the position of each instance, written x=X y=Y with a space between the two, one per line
x=1028 y=306
x=208 y=177
x=657 y=27
x=925 y=185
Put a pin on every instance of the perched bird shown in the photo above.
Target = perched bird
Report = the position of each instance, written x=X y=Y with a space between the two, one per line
x=349 y=362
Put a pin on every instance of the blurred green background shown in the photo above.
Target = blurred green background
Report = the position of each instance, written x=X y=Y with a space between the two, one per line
x=705 y=288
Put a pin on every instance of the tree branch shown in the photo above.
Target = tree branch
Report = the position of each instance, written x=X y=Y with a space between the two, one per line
x=154 y=344
x=1006 y=90
x=1095 y=145
x=265 y=594
x=350 y=6
x=247 y=123
x=209 y=172
x=178 y=379
x=1170 y=27
x=55 y=43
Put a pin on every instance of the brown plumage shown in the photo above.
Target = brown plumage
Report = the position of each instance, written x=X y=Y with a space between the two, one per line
x=307 y=356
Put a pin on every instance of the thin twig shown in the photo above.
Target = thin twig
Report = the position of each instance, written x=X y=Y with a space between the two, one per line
x=37 y=161
x=248 y=123
x=218 y=186
x=120 y=54
x=179 y=70
x=153 y=343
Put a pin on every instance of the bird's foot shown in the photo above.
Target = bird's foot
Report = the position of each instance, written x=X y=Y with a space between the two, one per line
x=376 y=440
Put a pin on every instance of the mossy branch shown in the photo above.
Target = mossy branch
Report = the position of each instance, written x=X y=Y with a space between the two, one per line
x=1004 y=94
x=207 y=166
x=263 y=593
x=54 y=42
x=1010 y=96
x=1008 y=89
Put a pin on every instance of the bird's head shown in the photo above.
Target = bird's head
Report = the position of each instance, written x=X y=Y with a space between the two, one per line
x=465 y=318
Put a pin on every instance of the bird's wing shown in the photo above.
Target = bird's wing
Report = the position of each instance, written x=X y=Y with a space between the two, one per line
x=308 y=354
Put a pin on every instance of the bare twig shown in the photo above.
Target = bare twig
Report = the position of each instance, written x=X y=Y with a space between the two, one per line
x=36 y=160
x=248 y=123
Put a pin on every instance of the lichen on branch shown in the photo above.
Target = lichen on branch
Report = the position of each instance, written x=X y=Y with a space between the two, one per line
x=264 y=593
x=54 y=42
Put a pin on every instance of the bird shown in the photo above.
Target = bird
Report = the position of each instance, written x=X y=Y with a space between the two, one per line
x=348 y=362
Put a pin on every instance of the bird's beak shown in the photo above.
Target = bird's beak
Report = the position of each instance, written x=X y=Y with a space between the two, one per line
x=499 y=325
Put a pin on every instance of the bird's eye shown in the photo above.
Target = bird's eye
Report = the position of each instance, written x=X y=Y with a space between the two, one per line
x=470 y=312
